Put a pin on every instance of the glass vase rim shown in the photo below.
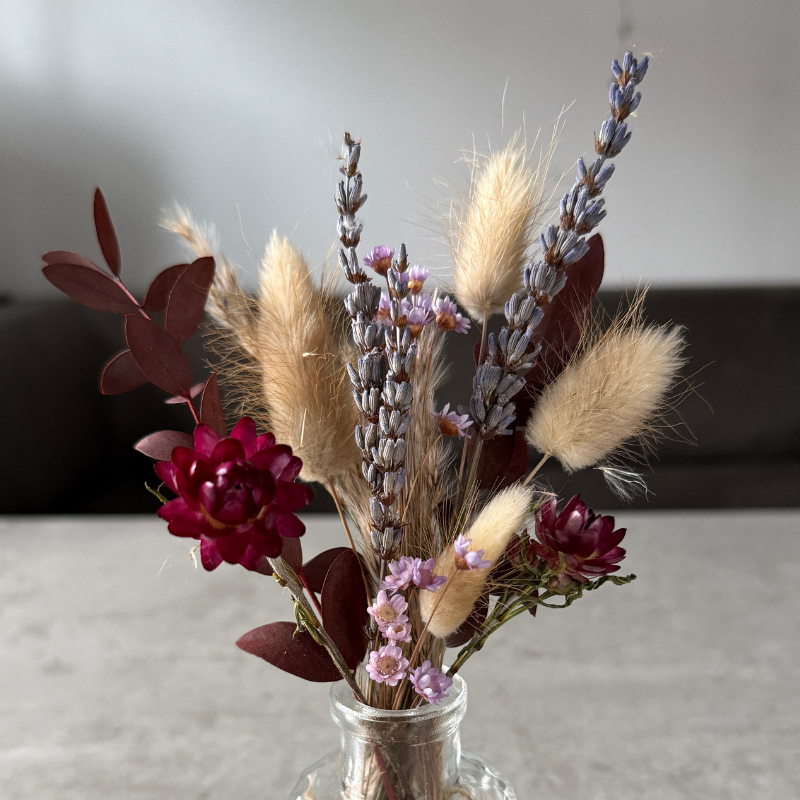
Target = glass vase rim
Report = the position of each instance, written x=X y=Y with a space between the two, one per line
x=344 y=702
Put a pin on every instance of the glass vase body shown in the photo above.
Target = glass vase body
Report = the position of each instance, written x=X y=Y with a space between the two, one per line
x=401 y=755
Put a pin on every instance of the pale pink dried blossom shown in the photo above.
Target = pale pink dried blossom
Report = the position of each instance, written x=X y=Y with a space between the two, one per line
x=424 y=577
x=388 y=610
x=430 y=683
x=466 y=558
x=418 y=318
x=379 y=259
x=452 y=424
x=398 y=632
x=447 y=316
x=407 y=571
x=387 y=665
x=416 y=278
x=383 y=315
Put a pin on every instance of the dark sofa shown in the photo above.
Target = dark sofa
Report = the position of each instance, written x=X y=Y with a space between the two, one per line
x=67 y=449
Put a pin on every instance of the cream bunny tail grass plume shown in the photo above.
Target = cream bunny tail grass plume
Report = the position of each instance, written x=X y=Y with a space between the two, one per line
x=491 y=234
x=491 y=532
x=612 y=392
x=299 y=351
x=228 y=303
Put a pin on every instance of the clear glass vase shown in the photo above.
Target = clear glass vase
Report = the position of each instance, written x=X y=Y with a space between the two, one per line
x=401 y=755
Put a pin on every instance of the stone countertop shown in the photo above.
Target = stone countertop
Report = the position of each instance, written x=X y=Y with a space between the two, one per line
x=120 y=678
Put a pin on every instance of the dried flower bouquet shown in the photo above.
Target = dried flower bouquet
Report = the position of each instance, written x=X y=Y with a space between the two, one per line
x=447 y=536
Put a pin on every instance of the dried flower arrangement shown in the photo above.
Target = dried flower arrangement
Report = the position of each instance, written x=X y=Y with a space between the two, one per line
x=447 y=537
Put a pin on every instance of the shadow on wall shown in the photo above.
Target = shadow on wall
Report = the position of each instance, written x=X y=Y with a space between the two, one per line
x=60 y=441
x=50 y=162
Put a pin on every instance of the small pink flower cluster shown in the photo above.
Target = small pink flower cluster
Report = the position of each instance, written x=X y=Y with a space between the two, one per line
x=388 y=664
x=419 y=308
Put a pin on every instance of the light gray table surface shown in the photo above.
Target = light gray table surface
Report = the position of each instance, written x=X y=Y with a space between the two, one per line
x=119 y=678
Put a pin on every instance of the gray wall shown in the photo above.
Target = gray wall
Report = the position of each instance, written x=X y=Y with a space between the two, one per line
x=237 y=107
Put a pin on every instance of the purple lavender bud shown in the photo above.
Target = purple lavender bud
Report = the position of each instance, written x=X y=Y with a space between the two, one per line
x=430 y=683
x=640 y=70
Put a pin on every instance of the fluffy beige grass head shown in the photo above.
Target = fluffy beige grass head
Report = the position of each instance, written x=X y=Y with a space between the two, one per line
x=612 y=392
x=491 y=233
x=299 y=351
x=491 y=532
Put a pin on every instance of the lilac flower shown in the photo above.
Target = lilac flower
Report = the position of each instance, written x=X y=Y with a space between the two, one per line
x=406 y=571
x=447 y=316
x=424 y=577
x=466 y=558
x=452 y=424
x=398 y=632
x=388 y=610
x=383 y=315
x=430 y=683
x=418 y=317
x=387 y=665
x=401 y=574
x=380 y=259
x=416 y=278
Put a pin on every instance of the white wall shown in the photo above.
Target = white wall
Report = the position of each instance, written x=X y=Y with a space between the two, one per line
x=236 y=107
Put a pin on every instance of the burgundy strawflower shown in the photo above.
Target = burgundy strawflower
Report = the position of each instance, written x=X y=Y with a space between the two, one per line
x=587 y=540
x=380 y=259
x=236 y=495
x=430 y=683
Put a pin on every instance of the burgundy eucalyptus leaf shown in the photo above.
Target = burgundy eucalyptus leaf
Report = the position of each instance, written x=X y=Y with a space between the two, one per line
x=187 y=300
x=564 y=319
x=461 y=635
x=159 y=445
x=496 y=455
x=121 y=374
x=193 y=392
x=67 y=257
x=158 y=355
x=161 y=286
x=317 y=568
x=344 y=607
x=296 y=653
x=211 y=412
x=90 y=286
x=105 y=233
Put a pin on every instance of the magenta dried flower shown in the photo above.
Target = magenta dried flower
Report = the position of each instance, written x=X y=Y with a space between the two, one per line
x=587 y=542
x=236 y=495
x=447 y=316
x=466 y=558
x=388 y=610
x=398 y=632
x=380 y=259
x=387 y=665
x=430 y=683
x=416 y=279
x=452 y=424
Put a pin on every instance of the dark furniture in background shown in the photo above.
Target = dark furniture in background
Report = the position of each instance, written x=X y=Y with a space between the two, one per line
x=64 y=448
